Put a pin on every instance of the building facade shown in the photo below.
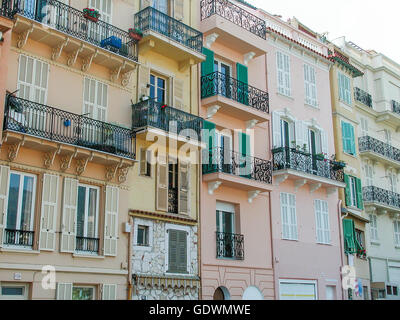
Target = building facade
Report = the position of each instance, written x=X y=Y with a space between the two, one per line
x=305 y=208
x=236 y=251
x=377 y=96
x=67 y=151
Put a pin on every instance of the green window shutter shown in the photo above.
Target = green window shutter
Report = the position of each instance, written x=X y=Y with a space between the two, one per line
x=243 y=78
x=344 y=136
x=244 y=149
x=182 y=252
x=347 y=190
x=207 y=66
x=210 y=152
x=352 y=140
x=360 y=204
x=348 y=235
x=172 y=250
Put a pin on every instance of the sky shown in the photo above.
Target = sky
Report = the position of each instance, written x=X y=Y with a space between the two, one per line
x=371 y=24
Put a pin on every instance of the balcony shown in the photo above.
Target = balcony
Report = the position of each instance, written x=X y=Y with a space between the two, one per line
x=232 y=169
x=378 y=150
x=77 y=36
x=236 y=28
x=305 y=168
x=396 y=107
x=363 y=97
x=87 y=245
x=234 y=98
x=19 y=238
x=384 y=200
x=5 y=18
x=56 y=131
x=159 y=119
x=230 y=246
x=169 y=37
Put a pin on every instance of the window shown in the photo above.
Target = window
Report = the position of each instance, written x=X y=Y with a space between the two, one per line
x=160 y=5
x=283 y=63
x=349 y=145
x=158 y=88
x=95 y=98
x=373 y=225
x=388 y=137
x=20 y=209
x=289 y=219
x=365 y=293
x=322 y=221
x=344 y=89
x=364 y=127
x=360 y=238
x=310 y=86
x=145 y=162
x=353 y=191
x=397 y=232
x=224 y=77
x=354 y=194
x=392 y=176
x=83 y=293
x=12 y=291
x=389 y=290
x=87 y=219
x=143 y=236
x=369 y=175
x=98 y=31
x=177 y=250
x=395 y=291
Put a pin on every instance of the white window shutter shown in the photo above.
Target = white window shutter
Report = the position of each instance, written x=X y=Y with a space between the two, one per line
x=68 y=227
x=144 y=80
x=293 y=217
x=64 y=291
x=298 y=128
x=178 y=9
x=281 y=72
x=178 y=93
x=326 y=224
x=318 y=220
x=111 y=221
x=49 y=212
x=287 y=75
x=162 y=184
x=276 y=128
x=4 y=179
x=109 y=292
x=184 y=187
x=143 y=161
x=306 y=136
x=285 y=216
x=324 y=143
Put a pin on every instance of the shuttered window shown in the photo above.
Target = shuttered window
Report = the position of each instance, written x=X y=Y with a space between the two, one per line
x=111 y=221
x=397 y=232
x=109 y=292
x=369 y=175
x=177 y=251
x=344 y=88
x=354 y=196
x=49 y=212
x=373 y=227
x=310 y=86
x=283 y=67
x=145 y=162
x=4 y=179
x=322 y=222
x=104 y=7
x=348 y=138
x=349 y=236
x=95 y=98
x=289 y=218
x=70 y=203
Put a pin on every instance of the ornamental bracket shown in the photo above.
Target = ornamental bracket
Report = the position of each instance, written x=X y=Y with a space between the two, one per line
x=252 y=195
x=13 y=150
x=74 y=56
x=126 y=78
x=212 y=186
x=66 y=161
x=281 y=179
x=314 y=187
x=211 y=111
x=210 y=39
x=299 y=183
x=55 y=55
x=87 y=62
x=82 y=164
x=116 y=72
x=23 y=37
x=50 y=156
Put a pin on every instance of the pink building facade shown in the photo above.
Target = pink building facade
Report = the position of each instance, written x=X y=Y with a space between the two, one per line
x=305 y=218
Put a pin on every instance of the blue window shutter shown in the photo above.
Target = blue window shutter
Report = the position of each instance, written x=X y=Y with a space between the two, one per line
x=353 y=140
x=344 y=137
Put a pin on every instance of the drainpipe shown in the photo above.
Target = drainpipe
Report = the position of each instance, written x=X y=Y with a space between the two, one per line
x=341 y=239
x=271 y=241
x=199 y=182
x=130 y=237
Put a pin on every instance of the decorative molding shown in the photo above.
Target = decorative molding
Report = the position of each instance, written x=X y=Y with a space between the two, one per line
x=251 y=124
x=280 y=179
x=123 y=174
x=252 y=195
x=314 y=187
x=126 y=78
x=13 y=150
x=299 y=183
x=87 y=62
x=50 y=156
x=66 y=161
x=74 y=56
x=115 y=73
x=56 y=53
x=23 y=37
x=81 y=164
x=248 y=57
x=210 y=39
x=212 y=186
x=211 y=111
x=185 y=64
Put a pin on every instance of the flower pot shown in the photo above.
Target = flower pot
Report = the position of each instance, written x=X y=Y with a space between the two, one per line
x=135 y=36
x=91 y=18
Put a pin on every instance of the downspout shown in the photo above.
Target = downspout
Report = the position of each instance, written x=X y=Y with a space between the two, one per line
x=271 y=241
x=341 y=239
x=130 y=236
x=199 y=180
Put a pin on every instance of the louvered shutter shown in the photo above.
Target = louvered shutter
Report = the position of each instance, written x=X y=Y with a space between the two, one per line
x=178 y=93
x=298 y=128
x=307 y=84
x=111 y=221
x=184 y=187
x=287 y=74
x=172 y=251
x=347 y=190
x=325 y=222
x=178 y=9
x=109 y=292
x=360 y=204
x=207 y=66
x=324 y=143
x=143 y=161
x=285 y=216
x=319 y=222
x=352 y=140
x=276 y=130
x=306 y=137
x=64 y=291
x=313 y=87
x=348 y=234
x=4 y=179
x=293 y=217
x=182 y=252
x=280 y=69
x=243 y=80
x=144 y=79
x=49 y=212
x=68 y=230
x=341 y=87
x=162 y=184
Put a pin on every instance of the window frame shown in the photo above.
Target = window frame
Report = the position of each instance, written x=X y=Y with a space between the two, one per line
x=147 y=223
x=285 y=73
x=156 y=87
x=95 y=105
x=148 y=158
x=373 y=226
x=86 y=213
x=353 y=191
x=344 y=91
x=188 y=249
x=325 y=223
x=396 y=233
x=24 y=296
x=145 y=236
x=94 y=288
x=311 y=84
x=291 y=225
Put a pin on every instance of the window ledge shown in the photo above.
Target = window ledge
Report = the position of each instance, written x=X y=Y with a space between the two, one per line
x=375 y=243
x=179 y=274
x=293 y=240
x=142 y=248
x=21 y=250
x=324 y=244
x=285 y=96
x=350 y=155
x=87 y=256
x=346 y=103
x=312 y=106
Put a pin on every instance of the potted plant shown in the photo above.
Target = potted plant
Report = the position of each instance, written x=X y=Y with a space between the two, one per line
x=361 y=253
x=320 y=156
x=91 y=14
x=135 y=34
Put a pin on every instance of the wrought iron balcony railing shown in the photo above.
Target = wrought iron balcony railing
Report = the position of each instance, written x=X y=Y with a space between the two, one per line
x=382 y=196
x=71 y=21
x=151 y=113
x=288 y=158
x=89 y=245
x=58 y=125
x=226 y=161
x=363 y=97
x=6 y=9
x=217 y=83
x=234 y=14
x=21 y=238
x=152 y=19
x=396 y=107
x=230 y=246
x=368 y=143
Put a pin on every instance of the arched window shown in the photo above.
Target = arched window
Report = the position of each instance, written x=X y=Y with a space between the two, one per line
x=221 y=293
x=252 y=293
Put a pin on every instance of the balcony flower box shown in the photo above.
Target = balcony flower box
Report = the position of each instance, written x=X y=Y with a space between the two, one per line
x=135 y=34
x=91 y=14
x=362 y=253
x=338 y=165
x=112 y=41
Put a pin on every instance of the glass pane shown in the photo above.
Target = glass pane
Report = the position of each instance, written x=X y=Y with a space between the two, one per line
x=160 y=83
x=80 y=221
x=91 y=228
x=227 y=222
x=27 y=204
x=152 y=80
x=12 y=291
x=160 y=95
x=82 y=293
x=140 y=236
x=13 y=195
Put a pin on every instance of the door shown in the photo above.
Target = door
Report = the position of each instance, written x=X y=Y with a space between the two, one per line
x=224 y=152
x=293 y=290
x=100 y=31
x=226 y=229
x=224 y=77
x=28 y=7
x=161 y=19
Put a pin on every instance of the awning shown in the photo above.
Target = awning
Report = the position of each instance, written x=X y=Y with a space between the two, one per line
x=165 y=282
